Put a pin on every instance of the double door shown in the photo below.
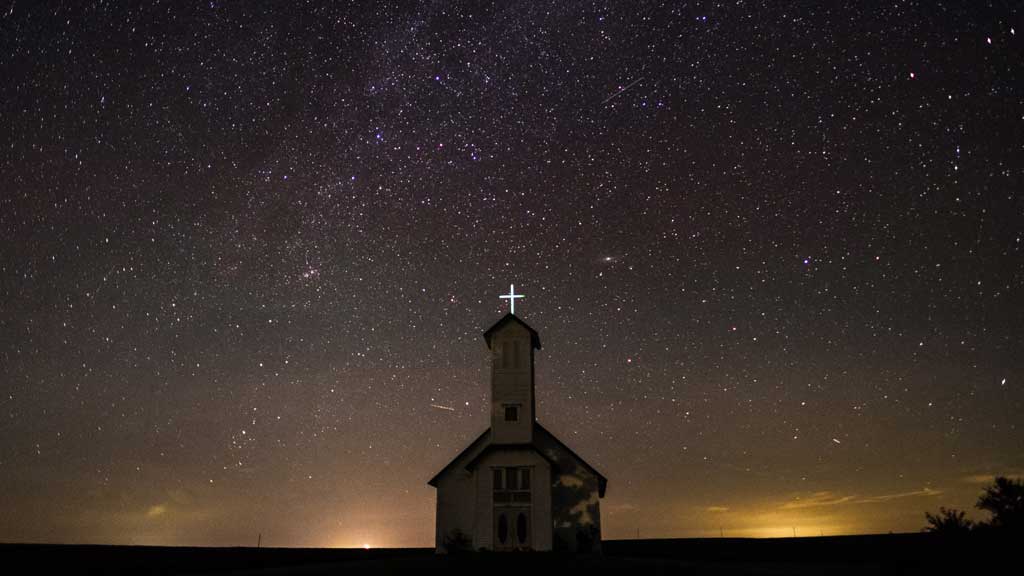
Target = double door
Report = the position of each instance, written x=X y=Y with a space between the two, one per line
x=512 y=529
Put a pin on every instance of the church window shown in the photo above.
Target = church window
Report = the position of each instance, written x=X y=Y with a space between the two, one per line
x=512 y=485
x=510 y=354
x=511 y=413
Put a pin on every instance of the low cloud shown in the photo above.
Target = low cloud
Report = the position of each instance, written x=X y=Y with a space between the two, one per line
x=815 y=500
x=717 y=509
x=822 y=499
x=888 y=497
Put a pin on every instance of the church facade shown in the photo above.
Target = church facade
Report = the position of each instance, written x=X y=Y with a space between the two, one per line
x=517 y=486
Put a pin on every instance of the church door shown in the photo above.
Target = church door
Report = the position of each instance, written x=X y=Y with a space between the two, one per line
x=512 y=528
x=512 y=506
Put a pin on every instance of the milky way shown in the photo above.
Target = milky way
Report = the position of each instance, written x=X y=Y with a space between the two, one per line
x=247 y=254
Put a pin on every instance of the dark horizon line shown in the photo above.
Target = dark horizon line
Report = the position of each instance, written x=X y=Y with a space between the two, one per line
x=431 y=548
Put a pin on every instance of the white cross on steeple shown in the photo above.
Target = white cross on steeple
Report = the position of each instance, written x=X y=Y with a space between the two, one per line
x=512 y=297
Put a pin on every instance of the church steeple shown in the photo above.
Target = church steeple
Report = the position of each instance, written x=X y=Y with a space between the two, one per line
x=507 y=489
x=513 y=409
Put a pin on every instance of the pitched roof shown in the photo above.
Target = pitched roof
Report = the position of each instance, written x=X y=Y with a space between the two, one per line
x=521 y=446
x=534 y=336
x=485 y=435
x=602 y=482
x=483 y=442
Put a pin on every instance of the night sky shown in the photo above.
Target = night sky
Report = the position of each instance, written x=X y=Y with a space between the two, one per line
x=774 y=254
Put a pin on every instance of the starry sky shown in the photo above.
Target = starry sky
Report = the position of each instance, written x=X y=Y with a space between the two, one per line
x=247 y=252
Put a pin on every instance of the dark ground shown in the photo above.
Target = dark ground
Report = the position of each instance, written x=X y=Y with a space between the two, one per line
x=877 y=554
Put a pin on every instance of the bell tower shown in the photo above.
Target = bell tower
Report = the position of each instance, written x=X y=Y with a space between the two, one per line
x=513 y=408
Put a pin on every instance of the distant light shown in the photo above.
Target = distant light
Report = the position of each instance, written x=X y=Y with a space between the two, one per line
x=366 y=546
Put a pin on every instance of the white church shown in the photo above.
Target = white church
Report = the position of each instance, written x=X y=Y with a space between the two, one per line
x=517 y=487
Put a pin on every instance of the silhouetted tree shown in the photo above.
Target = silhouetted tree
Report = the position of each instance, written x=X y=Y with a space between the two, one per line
x=1004 y=499
x=948 y=522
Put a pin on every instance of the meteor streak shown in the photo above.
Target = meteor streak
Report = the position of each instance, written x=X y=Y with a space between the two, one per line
x=621 y=90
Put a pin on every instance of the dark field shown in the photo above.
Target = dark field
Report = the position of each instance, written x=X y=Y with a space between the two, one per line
x=878 y=554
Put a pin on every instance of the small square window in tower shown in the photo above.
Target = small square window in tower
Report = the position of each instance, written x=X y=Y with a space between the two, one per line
x=511 y=413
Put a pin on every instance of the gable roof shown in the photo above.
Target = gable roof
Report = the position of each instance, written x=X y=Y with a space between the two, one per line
x=483 y=443
x=602 y=482
x=479 y=439
x=521 y=446
x=534 y=336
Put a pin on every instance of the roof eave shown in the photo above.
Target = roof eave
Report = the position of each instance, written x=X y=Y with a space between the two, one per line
x=436 y=477
x=534 y=336
x=602 y=482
